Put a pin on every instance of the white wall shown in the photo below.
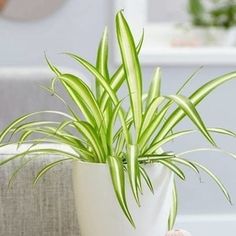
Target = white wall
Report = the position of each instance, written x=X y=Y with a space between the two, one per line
x=77 y=27
x=167 y=10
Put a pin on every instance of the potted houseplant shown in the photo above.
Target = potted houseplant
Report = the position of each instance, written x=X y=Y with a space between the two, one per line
x=213 y=21
x=117 y=156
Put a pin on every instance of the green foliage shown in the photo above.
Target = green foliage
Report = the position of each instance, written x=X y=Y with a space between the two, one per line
x=222 y=13
x=103 y=131
x=197 y=11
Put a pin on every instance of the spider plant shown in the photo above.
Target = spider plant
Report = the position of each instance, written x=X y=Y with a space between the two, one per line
x=104 y=131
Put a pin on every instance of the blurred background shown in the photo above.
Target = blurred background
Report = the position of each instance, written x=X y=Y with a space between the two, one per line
x=30 y=28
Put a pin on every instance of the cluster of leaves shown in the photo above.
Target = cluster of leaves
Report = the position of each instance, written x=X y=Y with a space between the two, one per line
x=106 y=132
x=222 y=14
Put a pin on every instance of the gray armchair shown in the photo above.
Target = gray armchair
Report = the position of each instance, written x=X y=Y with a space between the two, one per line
x=48 y=208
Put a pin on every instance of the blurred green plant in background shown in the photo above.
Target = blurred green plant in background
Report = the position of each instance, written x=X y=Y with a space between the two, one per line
x=217 y=13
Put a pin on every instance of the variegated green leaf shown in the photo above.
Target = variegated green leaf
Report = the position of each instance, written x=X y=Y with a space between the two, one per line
x=107 y=88
x=16 y=122
x=89 y=133
x=110 y=129
x=118 y=78
x=156 y=144
x=152 y=127
x=150 y=112
x=61 y=138
x=188 y=80
x=83 y=97
x=155 y=87
x=16 y=172
x=187 y=106
x=233 y=155
x=131 y=68
x=24 y=136
x=146 y=178
x=195 y=98
x=118 y=180
x=48 y=167
x=39 y=151
x=102 y=60
x=174 y=208
x=170 y=165
x=30 y=125
x=54 y=93
x=186 y=163
x=52 y=67
x=216 y=179
x=133 y=170
x=152 y=158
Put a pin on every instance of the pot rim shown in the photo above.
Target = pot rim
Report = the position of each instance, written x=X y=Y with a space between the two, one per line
x=105 y=164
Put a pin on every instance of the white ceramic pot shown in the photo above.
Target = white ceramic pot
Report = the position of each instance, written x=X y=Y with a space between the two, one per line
x=99 y=213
